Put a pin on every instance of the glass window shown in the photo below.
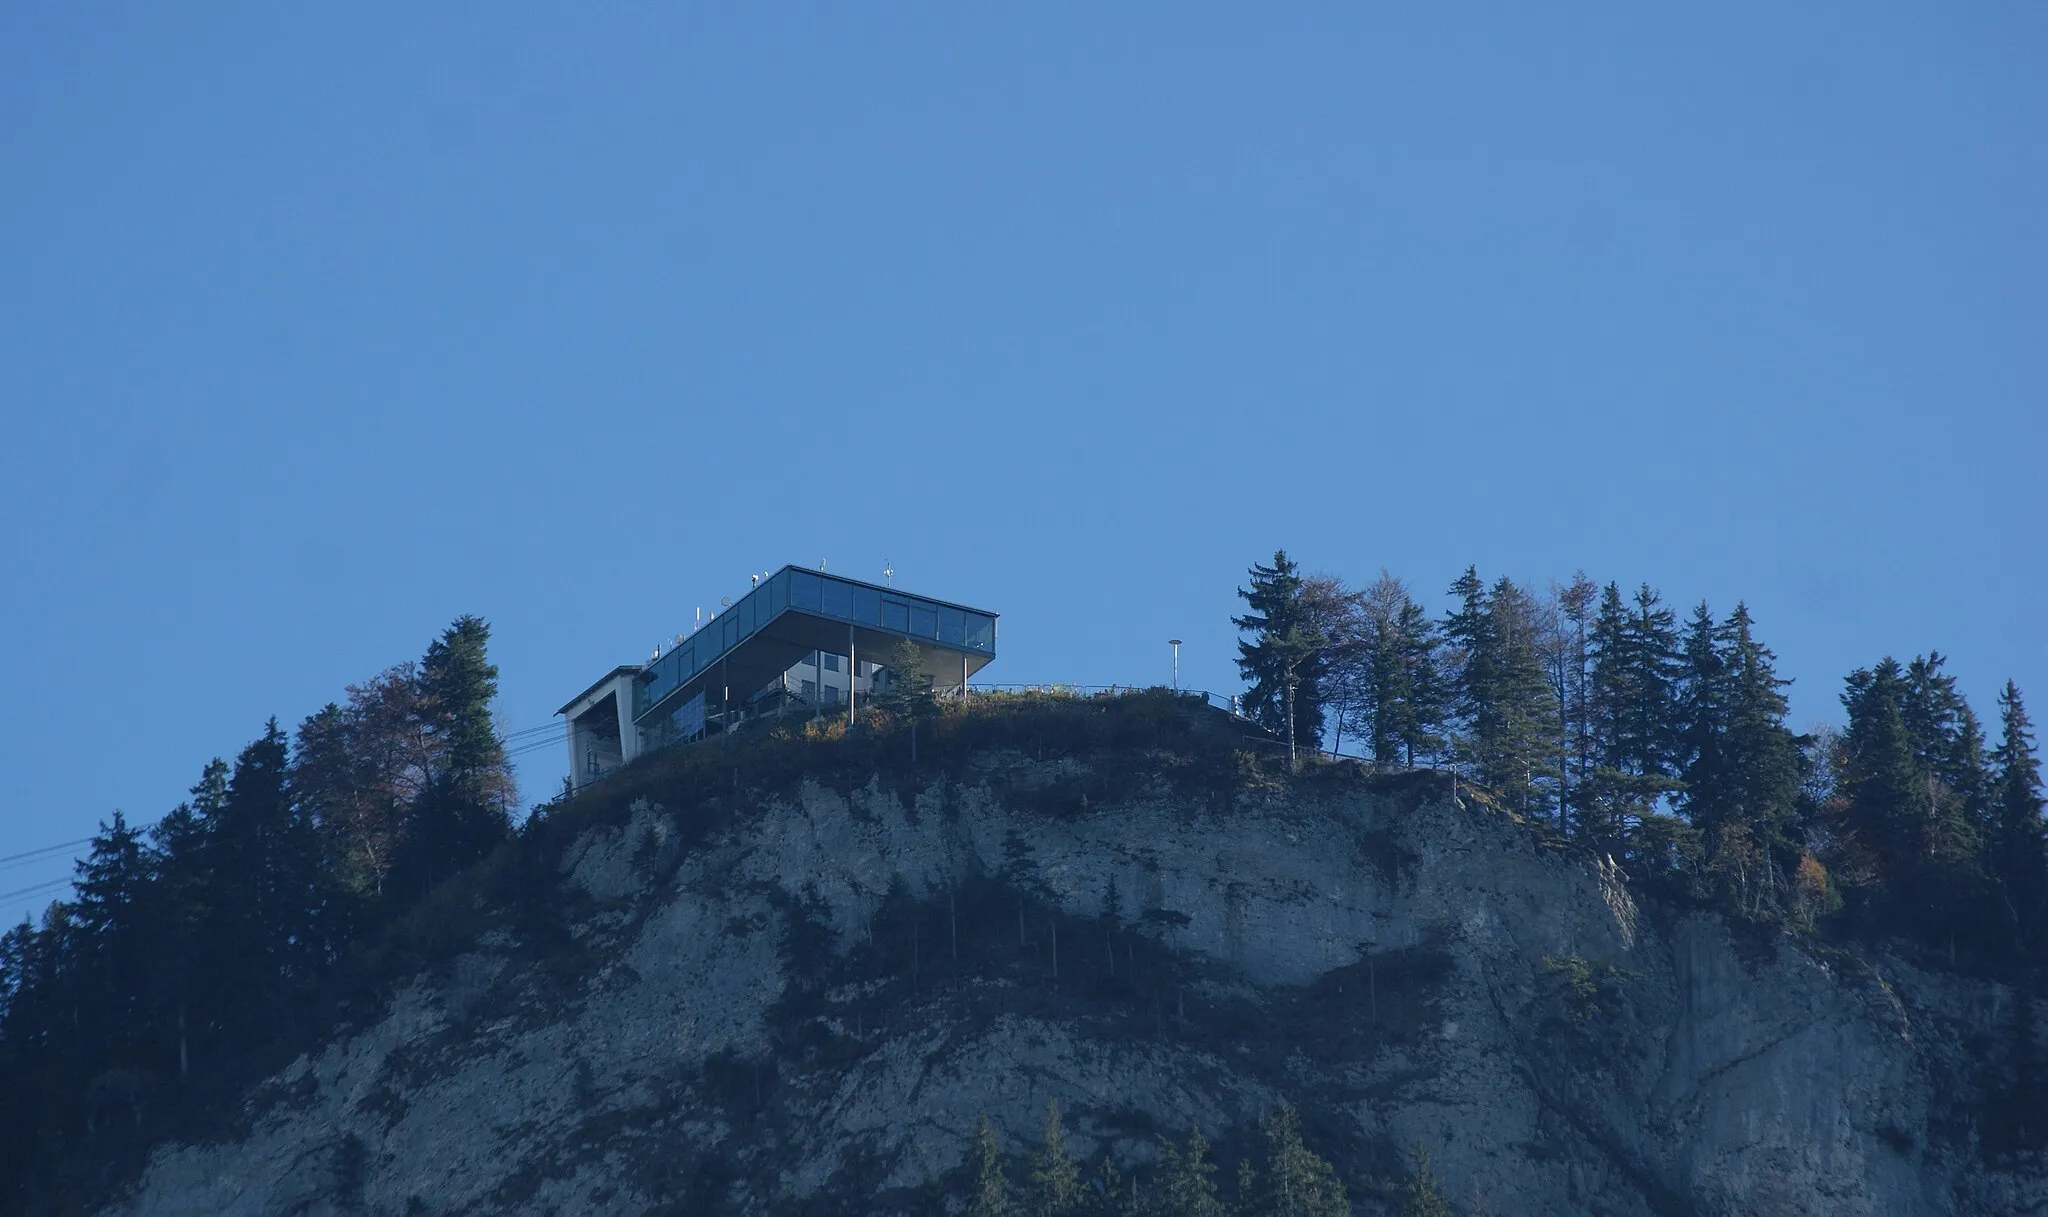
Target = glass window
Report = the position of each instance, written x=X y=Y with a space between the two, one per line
x=743 y=613
x=867 y=606
x=778 y=593
x=952 y=627
x=804 y=589
x=896 y=616
x=686 y=660
x=831 y=663
x=924 y=623
x=981 y=632
x=838 y=598
x=731 y=634
x=810 y=688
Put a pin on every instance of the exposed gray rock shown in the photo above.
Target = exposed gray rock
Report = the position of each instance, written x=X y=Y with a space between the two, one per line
x=760 y=1026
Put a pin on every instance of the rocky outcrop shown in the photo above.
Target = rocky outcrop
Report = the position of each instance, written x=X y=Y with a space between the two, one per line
x=808 y=1009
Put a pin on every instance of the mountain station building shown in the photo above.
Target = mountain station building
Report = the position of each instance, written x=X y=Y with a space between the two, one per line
x=792 y=645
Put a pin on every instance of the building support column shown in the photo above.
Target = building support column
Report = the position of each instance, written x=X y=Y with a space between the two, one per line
x=629 y=735
x=852 y=673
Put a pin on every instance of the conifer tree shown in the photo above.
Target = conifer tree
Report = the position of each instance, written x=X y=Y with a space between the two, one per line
x=115 y=939
x=1569 y=658
x=1632 y=710
x=1296 y=1181
x=2021 y=860
x=1758 y=780
x=1054 y=1184
x=1186 y=1188
x=908 y=694
x=1400 y=696
x=1426 y=1196
x=1703 y=723
x=260 y=936
x=991 y=1190
x=464 y=810
x=1909 y=827
x=1284 y=662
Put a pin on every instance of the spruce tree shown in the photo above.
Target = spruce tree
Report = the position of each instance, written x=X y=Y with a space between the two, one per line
x=1759 y=781
x=1632 y=711
x=908 y=694
x=1571 y=682
x=2021 y=859
x=1186 y=1188
x=991 y=1190
x=1703 y=694
x=117 y=944
x=1284 y=662
x=1426 y=1196
x=1296 y=1181
x=1054 y=1184
x=1907 y=827
x=464 y=810
x=1421 y=729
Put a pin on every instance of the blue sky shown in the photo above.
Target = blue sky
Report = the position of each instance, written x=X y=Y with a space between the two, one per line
x=317 y=330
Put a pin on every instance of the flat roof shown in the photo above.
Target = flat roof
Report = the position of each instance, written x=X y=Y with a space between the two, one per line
x=624 y=669
x=796 y=611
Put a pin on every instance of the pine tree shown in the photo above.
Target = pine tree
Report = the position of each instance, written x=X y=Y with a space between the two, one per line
x=1284 y=662
x=1054 y=1185
x=991 y=1190
x=1185 y=1186
x=1296 y=1181
x=2021 y=859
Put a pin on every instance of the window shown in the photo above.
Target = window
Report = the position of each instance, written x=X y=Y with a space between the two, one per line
x=867 y=606
x=778 y=594
x=805 y=589
x=838 y=599
x=924 y=623
x=744 y=610
x=810 y=688
x=952 y=627
x=896 y=616
x=731 y=634
x=981 y=632
x=831 y=663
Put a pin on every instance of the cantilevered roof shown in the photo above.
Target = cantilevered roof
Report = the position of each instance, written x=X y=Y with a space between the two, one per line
x=794 y=612
x=625 y=669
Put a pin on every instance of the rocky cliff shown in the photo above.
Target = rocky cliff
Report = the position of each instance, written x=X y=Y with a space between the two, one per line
x=791 y=980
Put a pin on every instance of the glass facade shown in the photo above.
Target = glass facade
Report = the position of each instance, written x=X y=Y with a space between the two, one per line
x=821 y=595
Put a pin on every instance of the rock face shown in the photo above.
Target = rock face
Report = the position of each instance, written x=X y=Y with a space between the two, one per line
x=808 y=1008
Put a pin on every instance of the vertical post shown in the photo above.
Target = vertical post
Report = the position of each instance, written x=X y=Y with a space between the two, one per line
x=852 y=671
x=963 y=675
x=1293 y=764
x=725 y=696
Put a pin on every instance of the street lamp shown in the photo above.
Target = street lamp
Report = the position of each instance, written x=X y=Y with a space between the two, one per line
x=1175 y=644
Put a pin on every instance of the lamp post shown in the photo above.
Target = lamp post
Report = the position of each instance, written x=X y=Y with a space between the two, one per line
x=1175 y=644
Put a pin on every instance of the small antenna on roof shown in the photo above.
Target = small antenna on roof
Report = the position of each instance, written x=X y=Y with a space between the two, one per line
x=753 y=580
x=888 y=572
x=821 y=564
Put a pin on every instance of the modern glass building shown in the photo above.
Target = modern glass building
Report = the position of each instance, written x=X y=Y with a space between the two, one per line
x=729 y=669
